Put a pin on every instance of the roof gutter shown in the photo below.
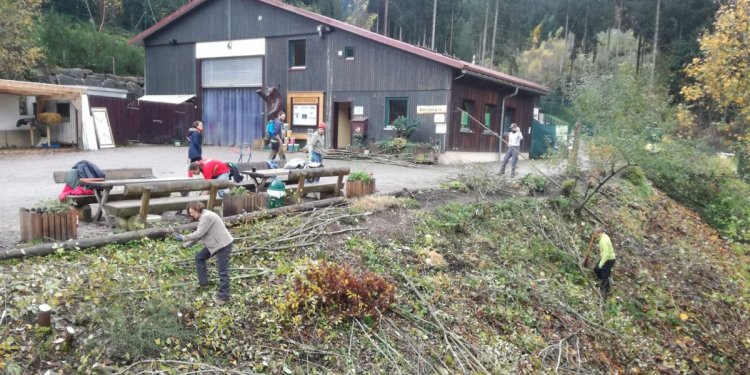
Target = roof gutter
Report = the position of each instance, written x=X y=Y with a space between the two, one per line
x=503 y=82
x=502 y=122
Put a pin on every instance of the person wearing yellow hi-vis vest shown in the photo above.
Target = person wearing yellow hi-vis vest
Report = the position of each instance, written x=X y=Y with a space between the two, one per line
x=603 y=269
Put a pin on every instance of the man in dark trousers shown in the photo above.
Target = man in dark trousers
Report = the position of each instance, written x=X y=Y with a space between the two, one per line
x=218 y=243
x=603 y=269
x=277 y=138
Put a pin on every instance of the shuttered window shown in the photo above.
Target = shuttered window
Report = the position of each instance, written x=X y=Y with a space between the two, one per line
x=232 y=72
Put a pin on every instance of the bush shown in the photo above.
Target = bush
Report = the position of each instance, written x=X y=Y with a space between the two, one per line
x=70 y=43
x=568 y=188
x=534 y=183
x=131 y=333
x=634 y=175
x=405 y=127
x=340 y=291
x=360 y=176
x=237 y=191
x=458 y=186
x=51 y=206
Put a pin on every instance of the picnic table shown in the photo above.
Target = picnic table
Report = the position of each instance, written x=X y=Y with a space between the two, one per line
x=103 y=187
x=261 y=176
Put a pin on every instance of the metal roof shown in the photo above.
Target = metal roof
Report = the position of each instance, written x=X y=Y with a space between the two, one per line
x=170 y=99
x=336 y=24
x=42 y=90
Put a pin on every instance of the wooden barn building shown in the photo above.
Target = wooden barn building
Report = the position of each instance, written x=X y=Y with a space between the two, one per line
x=222 y=51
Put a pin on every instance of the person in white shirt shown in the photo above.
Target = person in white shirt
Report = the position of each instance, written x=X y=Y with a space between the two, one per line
x=514 y=147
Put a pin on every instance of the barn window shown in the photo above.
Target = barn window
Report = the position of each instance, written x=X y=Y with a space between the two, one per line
x=395 y=107
x=488 y=111
x=297 y=53
x=507 y=120
x=349 y=53
x=468 y=109
x=64 y=110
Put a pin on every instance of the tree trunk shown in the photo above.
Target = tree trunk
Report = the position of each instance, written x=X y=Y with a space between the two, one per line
x=638 y=55
x=385 y=19
x=484 y=33
x=656 y=45
x=157 y=233
x=573 y=157
x=434 y=17
x=494 y=35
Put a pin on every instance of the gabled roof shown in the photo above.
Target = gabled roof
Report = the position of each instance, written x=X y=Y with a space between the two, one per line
x=480 y=71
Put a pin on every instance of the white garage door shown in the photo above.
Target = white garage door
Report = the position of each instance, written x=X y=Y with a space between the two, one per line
x=232 y=72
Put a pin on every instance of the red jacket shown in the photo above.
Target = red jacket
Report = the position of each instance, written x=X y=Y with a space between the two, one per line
x=212 y=168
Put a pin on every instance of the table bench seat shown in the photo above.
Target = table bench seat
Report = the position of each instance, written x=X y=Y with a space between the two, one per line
x=127 y=208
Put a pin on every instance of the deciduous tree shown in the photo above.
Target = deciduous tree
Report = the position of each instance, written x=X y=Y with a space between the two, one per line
x=18 y=46
x=722 y=74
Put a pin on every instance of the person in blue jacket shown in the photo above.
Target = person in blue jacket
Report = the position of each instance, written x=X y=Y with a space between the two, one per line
x=195 y=135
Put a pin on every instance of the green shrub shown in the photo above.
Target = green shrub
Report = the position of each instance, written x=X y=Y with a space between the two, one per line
x=534 y=183
x=404 y=126
x=360 y=176
x=634 y=175
x=51 y=206
x=568 y=188
x=237 y=191
x=132 y=332
x=455 y=186
x=70 y=43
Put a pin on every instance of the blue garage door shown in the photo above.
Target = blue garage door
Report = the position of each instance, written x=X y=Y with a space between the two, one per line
x=232 y=116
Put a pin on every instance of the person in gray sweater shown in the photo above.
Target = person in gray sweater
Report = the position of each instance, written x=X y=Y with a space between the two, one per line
x=218 y=243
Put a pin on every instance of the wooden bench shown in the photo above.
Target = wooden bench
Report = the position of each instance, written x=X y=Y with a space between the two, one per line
x=144 y=204
x=81 y=202
x=304 y=187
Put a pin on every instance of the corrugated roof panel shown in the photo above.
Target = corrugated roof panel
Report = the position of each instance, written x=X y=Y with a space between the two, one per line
x=171 y=99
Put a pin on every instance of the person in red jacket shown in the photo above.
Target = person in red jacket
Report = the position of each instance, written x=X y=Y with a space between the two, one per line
x=211 y=170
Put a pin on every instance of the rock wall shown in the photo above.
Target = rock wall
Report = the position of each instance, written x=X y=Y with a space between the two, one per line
x=86 y=77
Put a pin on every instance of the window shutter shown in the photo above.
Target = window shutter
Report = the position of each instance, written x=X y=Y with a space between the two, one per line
x=232 y=72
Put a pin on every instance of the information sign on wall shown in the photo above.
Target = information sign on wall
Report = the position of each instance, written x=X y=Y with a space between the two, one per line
x=429 y=109
x=305 y=114
x=441 y=128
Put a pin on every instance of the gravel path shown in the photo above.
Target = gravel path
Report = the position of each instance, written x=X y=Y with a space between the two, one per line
x=27 y=175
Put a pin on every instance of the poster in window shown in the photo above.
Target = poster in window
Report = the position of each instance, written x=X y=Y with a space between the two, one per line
x=102 y=127
x=305 y=115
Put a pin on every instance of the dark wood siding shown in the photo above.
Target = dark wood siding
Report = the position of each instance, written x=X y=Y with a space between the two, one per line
x=208 y=22
x=312 y=78
x=146 y=122
x=170 y=69
x=378 y=67
x=374 y=110
x=275 y=22
x=483 y=93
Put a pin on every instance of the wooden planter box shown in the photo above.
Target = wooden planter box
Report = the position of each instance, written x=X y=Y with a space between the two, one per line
x=235 y=205
x=359 y=188
x=48 y=227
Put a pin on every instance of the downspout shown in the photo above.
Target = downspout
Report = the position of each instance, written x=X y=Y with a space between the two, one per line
x=502 y=124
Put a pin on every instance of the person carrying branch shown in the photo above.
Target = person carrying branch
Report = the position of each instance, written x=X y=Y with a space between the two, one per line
x=218 y=243
x=514 y=148
x=603 y=269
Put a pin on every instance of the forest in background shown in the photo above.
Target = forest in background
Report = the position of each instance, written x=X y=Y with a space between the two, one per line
x=665 y=71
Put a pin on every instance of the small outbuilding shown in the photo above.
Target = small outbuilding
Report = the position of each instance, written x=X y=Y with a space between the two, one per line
x=222 y=51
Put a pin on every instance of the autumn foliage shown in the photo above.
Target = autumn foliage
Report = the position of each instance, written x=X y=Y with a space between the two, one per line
x=340 y=290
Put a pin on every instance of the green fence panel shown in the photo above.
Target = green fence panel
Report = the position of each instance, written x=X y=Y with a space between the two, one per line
x=543 y=139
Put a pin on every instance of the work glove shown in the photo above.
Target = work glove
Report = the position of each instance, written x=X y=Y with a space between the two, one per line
x=179 y=237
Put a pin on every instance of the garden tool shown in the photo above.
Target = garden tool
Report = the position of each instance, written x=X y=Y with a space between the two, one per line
x=588 y=252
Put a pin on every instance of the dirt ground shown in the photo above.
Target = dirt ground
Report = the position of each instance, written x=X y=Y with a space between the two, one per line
x=27 y=175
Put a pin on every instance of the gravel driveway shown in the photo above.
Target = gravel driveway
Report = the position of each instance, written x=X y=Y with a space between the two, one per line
x=27 y=174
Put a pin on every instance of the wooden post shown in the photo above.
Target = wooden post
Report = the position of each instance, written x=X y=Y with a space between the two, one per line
x=145 y=201
x=339 y=181
x=45 y=315
x=212 y=196
x=70 y=335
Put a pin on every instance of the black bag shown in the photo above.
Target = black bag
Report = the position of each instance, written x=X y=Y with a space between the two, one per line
x=234 y=172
